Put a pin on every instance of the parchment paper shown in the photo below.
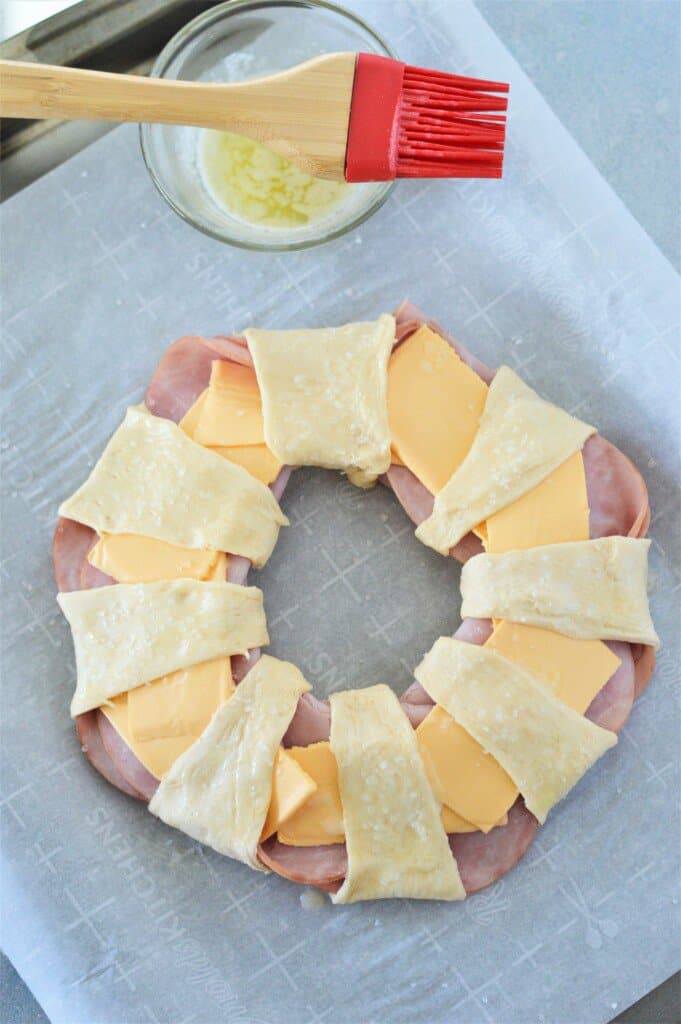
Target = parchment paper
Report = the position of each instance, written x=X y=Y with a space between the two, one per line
x=112 y=917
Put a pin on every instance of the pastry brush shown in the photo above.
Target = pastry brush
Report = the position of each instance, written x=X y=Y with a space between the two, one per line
x=343 y=116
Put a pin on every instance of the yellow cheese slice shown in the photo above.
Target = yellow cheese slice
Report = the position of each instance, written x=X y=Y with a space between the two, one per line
x=435 y=403
x=544 y=746
x=454 y=823
x=520 y=441
x=130 y=558
x=291 y=788
x=556 y=510
x=319 y=822
x=231 y=412
x=395 y=841
x=574 y=670
x=324 y=395
x=589 y=590
x=461 y=774
x=219 y=790
x=151 y=479
x=219 y=571
x=130 y=633
x=157 y=756
x=181 y=703
x=256 y=458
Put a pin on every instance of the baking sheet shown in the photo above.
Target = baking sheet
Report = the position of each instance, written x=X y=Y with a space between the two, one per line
x=109 y=915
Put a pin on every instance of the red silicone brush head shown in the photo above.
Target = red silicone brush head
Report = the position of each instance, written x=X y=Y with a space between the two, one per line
x=408 y=122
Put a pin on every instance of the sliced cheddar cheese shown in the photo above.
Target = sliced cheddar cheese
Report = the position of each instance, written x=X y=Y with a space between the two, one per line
x=254 y=457
x=291 y=788
x=556 y=510
x=231 y=410
x=181 y=703
x=462 y=776
x=454 y=823
x=158 y=755
x=131 y=558
x=574 y=670
x=434 y=405
x=319 y=822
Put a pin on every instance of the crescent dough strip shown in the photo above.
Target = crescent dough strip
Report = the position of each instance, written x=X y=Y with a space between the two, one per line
x=521 y=439
x=219 y=790
x=130 y=633
x=324 y=395
x=542 y=744
x=151 y=479
x=396 y=843
x=589 y=590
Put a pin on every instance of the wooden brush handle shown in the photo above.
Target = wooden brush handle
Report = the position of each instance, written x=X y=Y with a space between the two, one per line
x=302 y=112
x=45 y=91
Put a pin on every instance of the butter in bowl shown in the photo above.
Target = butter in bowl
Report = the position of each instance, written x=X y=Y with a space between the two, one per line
x=230 y=187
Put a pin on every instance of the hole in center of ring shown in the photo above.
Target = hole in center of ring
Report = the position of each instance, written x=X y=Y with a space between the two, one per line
x=352 y=598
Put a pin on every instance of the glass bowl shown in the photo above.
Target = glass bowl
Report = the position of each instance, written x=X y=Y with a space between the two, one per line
x=235 y=41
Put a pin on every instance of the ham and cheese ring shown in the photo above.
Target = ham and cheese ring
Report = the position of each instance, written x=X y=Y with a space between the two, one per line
x=617 y=504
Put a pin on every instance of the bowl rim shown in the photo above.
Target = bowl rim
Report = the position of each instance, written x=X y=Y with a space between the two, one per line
x=196 y=26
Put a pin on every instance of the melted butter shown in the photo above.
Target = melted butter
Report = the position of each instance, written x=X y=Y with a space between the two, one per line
x=260 y=187
x=313 y=899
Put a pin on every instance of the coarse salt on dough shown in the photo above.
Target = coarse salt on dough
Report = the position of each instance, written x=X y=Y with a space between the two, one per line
x=589 y=590
x=152 y=480
x=324 y=395
x=396 y=842
x=130 y=633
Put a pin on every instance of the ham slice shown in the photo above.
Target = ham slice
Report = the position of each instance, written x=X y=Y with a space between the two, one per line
x=644 y=663
x=70 y=548
x=243 y=663
x=184 y=372
x=618 y=497
x=323 y=867
x=92 y=746
x=484 y=859
x=238 y=569
x=90 y=577
x=280 y=483
x=129 y=766
x=612 y=705
x=311 y=722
